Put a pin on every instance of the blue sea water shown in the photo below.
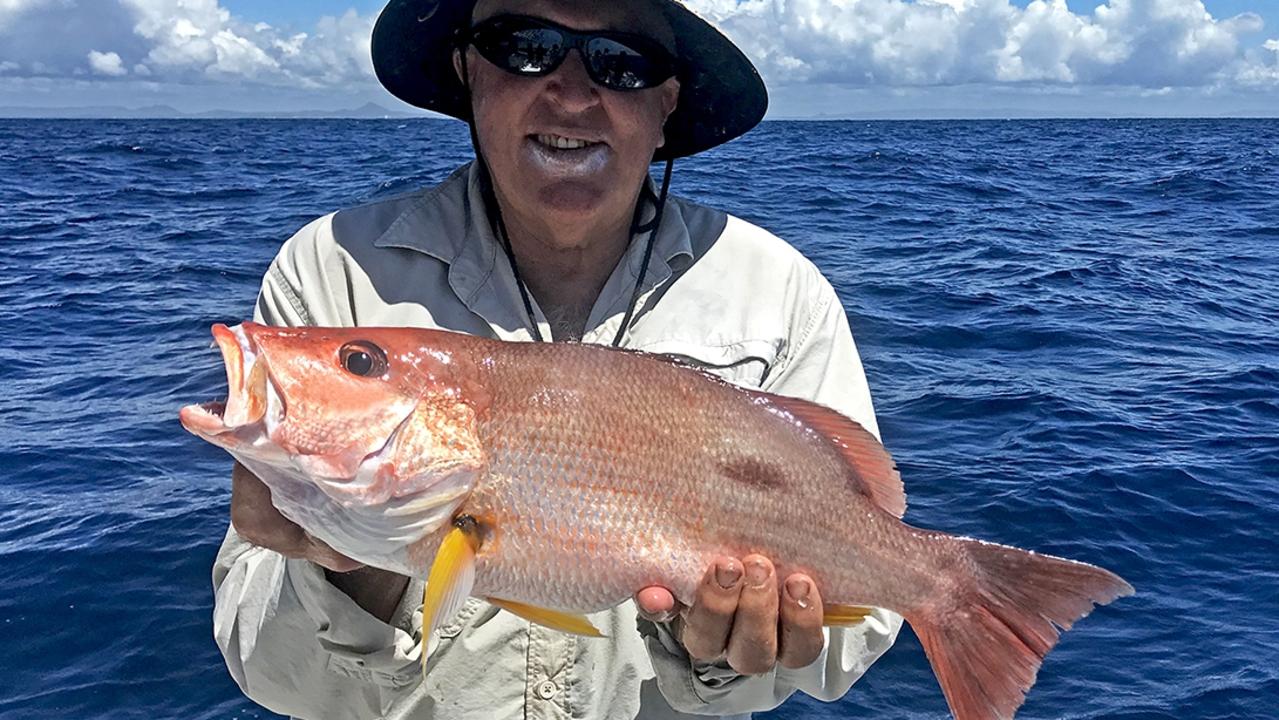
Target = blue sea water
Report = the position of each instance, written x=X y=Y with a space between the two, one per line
x=1071 y=329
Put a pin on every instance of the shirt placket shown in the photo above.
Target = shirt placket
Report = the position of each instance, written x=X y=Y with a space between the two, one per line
x=549 y=675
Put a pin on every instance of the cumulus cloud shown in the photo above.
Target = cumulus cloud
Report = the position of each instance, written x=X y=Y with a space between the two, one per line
x=1143 y=43
x=1147 y=44
x=107 y=63
x=179 y=41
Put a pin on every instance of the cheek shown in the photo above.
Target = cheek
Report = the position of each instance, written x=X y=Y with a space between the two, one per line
x=498 y=107
x=639 y=121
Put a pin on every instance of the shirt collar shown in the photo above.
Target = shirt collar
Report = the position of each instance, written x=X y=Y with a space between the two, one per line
x=450 y=223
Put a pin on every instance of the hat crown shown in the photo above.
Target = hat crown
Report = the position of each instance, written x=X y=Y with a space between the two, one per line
x=721 y=93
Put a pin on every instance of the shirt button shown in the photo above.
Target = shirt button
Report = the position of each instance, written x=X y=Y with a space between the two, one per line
x=547 y=689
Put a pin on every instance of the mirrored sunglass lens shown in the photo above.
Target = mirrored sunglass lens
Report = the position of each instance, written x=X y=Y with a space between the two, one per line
x=529 y=51
x=619 y=66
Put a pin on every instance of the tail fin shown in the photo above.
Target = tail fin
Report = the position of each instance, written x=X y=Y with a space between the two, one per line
x=987 y=644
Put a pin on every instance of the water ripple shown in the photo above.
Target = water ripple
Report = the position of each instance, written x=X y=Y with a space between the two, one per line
x=1070 y=328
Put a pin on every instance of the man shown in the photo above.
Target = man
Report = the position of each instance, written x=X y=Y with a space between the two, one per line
x=553 y=233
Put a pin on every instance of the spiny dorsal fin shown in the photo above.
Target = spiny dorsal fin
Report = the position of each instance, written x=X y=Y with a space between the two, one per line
x=872 y=471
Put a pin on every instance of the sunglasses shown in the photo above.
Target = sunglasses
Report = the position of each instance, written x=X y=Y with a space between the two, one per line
x=533 y=47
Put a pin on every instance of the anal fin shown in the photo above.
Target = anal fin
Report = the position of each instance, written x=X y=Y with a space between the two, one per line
x=553 y=619
x=844 y=615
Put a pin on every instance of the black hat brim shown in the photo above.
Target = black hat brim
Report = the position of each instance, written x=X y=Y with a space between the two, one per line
x=721 y=94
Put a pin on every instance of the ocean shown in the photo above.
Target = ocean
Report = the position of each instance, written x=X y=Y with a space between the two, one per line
x=1071 y=329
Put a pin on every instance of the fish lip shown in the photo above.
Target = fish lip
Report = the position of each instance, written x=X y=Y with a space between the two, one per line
x=205 y=418
x=240 y=357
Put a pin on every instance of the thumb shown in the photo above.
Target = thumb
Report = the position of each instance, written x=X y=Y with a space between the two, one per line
x=657 y=604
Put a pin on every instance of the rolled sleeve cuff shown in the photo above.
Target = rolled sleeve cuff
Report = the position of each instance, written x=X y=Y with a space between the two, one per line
x=357 y=644
x=299 y=646
x=701 y=688
x=716 y=689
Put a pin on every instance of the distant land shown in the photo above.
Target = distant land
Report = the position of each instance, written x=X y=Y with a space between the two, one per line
x=161 y=112
x=372 y=110
x=1016 y=113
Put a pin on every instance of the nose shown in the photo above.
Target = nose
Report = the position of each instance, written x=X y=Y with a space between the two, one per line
x=570 y=86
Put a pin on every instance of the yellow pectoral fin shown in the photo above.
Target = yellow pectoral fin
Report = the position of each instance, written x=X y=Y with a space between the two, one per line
x=553 y=619
x=844 y=615
x=450 y=581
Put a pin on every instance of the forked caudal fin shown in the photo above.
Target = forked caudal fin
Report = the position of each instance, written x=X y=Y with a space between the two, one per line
x=986 y=646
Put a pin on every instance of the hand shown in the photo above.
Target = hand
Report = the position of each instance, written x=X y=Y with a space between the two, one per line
x=257 y=521
x=738 y=614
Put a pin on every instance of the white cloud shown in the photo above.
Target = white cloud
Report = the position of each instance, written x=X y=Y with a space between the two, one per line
x=9 y=8
x=853 y=44
x=1144 y=43
x=187 y=41
x=109 y=63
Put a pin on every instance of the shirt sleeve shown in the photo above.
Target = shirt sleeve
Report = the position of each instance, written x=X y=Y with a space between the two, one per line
x=821 y=365
x=292 y=641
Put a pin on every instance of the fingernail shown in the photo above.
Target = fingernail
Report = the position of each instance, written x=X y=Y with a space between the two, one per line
x=798 y=590
x=757 y=574
x=727 y=574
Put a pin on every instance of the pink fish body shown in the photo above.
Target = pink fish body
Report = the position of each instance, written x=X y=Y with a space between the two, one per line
x=579 y=474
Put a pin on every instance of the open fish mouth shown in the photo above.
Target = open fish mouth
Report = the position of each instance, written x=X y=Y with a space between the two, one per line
x=253 y=402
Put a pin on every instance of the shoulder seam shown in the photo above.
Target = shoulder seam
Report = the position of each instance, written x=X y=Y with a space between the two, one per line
x=814 y=318
x=289 y=294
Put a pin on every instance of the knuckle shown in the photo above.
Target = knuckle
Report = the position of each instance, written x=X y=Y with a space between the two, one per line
x=701 y=647
x=796 y=660
x=716 y=607
x=751 y=665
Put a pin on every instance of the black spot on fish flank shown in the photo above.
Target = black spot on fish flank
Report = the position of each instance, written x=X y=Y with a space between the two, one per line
x=754 y=472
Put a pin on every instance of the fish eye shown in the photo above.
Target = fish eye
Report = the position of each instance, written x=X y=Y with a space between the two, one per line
x=363 y=359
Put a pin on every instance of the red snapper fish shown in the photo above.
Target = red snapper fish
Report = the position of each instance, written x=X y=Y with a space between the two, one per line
x=558 y=479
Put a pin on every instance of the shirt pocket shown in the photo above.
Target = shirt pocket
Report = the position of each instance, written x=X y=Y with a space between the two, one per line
x=746 y=363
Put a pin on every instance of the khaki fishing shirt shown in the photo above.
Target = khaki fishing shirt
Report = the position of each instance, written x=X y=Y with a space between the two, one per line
x=719 y=292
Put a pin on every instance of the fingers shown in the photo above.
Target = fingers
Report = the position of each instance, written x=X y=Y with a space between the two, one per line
x=752 y=644
x=709 y=620
x=257 y=521
x=319 y=552
x=740 y=614
x=657 y=604
x=801 y=639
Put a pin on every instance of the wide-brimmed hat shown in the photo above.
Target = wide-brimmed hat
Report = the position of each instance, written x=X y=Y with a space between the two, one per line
x=721 y=94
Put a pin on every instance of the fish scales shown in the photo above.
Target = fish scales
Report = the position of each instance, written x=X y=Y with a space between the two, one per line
x=559 y=479
x=571 y=435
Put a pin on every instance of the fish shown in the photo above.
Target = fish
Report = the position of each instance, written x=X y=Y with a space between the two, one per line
x=558 y=479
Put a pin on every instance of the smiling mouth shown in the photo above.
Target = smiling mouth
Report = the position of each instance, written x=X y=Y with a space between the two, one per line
x=560 y=142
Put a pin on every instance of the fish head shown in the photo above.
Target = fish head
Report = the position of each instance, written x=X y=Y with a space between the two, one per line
x=367 y=437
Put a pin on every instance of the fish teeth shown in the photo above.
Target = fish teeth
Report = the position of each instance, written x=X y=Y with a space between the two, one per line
x=562 y=143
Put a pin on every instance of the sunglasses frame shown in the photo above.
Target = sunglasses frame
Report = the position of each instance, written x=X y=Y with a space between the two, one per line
x=645 y=47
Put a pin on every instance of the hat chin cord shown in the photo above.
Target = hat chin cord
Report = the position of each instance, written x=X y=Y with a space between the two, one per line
x=499 y=227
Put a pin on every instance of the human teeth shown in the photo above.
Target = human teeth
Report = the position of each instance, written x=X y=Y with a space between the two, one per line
x=562 y=143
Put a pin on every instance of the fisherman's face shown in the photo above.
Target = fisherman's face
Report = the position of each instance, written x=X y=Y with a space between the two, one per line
x=517 y=118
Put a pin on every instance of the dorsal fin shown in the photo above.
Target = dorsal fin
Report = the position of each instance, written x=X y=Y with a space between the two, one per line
x=872 y=470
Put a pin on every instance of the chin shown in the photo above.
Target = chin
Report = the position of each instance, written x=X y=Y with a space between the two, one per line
x=578 y=199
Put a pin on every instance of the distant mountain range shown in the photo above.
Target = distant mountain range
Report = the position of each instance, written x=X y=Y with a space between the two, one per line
x=372 y=110
x=155 y=112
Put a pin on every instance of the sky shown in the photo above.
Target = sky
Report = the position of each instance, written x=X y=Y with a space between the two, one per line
x=838 y=58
